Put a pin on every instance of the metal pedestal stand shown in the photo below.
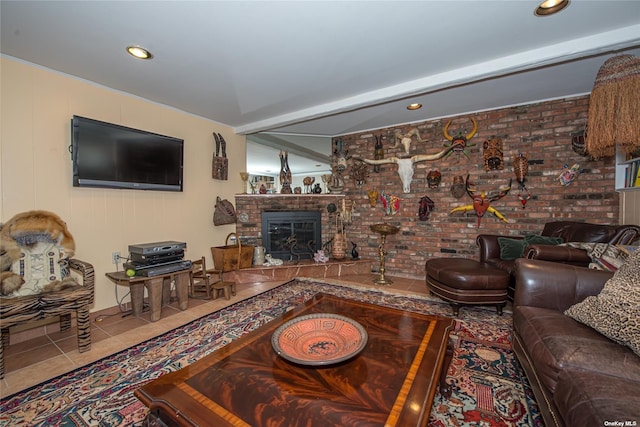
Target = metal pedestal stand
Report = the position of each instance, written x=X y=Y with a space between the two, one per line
x=383 y=229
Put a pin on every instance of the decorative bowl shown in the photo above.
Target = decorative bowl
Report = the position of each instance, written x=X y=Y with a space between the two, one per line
x=384 y=228
x=319 y=339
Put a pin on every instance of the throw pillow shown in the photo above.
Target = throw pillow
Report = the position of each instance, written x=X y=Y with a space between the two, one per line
x=615 y=311
x=534 y=239
x=511 y=248
x=39 y=265
x=603 y=255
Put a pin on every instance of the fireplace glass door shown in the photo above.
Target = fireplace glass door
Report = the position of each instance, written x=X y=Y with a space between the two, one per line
x=292 y=235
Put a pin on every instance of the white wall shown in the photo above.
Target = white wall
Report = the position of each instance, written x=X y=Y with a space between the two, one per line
x=36 y=107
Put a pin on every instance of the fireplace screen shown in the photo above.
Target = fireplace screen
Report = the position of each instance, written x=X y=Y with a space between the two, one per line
x=292 y=235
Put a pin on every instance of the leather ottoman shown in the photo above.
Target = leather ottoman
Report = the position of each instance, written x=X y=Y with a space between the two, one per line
x=463 y=281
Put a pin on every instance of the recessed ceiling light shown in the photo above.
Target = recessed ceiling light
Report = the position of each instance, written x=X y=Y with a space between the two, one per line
x=139 y=52
x=414 y=106
x=549 y=7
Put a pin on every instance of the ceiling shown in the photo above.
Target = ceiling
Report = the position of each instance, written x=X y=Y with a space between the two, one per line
x=325 y=68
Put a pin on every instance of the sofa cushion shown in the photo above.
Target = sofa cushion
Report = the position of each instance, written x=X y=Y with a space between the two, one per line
x=615 y=311
x=534 y=239
x=511 y=248
x=555 y=342
x=604 y=256
x=588 y=398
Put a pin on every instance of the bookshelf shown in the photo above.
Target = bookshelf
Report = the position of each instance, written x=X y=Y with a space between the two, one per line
x=627 y=171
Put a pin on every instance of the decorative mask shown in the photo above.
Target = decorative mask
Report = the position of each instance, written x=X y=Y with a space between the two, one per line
x=524 y=195
x=521 y=168
x=433 y=178
x=378 y=153
x=458 y=188
x=568 y=175
x=373 y=197
x=493 y=159
x=340 y=156
x=482 y=201
x=459 y=142
x=426 y=206
x=360 y=173
x=390 y=203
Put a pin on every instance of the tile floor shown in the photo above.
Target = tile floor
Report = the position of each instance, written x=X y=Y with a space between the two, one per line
x=40 y=358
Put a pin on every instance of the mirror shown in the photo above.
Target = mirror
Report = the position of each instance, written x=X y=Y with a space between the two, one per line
x=308 y=156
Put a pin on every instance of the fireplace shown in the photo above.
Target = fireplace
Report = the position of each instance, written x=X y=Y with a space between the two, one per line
x=292 y=235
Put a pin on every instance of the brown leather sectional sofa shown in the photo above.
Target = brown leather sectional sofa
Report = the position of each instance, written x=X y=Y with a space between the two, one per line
x=569 y=231
x=579 y=377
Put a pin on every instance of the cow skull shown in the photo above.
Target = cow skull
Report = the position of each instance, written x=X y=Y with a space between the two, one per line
x=405 y=165
x=405 y=139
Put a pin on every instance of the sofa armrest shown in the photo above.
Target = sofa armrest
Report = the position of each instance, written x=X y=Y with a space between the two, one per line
x=489 y=247
x=555 y=285
x=556 y=253
x=625 y=235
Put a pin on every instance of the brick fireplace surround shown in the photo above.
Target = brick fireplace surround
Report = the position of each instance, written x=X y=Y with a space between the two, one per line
x=250 y=233
x=542 y=132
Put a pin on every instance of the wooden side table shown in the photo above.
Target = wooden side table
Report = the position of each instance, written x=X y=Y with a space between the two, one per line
x=158 y=289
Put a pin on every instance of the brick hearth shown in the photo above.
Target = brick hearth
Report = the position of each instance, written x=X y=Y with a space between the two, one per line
x=304 y=268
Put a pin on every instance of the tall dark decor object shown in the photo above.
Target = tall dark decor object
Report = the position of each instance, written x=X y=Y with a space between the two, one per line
x=614 y=108
x=220 y=169
x=285 y=173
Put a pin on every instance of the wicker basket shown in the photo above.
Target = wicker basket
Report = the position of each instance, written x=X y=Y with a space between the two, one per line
x=232 y=257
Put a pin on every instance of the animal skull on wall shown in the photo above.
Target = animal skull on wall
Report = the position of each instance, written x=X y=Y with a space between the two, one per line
x=405 y=139
x=405 y=165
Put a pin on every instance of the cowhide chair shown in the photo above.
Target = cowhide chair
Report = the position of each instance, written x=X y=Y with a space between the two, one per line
x=40 y=280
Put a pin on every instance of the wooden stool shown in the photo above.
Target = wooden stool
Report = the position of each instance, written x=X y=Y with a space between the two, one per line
x=227 y=287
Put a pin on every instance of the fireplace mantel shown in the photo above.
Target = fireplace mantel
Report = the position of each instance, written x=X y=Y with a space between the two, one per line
x=287 y=196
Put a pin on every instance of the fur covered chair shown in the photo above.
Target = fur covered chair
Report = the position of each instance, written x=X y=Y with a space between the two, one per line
x=40 y=277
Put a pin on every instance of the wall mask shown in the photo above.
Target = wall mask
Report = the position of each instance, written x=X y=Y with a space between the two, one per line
x=373 y=197
x=433 y=178
x=425 y=208
x=521 y=169
x=493 y=158
x=458 y=188
x=390 y=203
x=459 y=142
x=569 y=174
x=360 y=173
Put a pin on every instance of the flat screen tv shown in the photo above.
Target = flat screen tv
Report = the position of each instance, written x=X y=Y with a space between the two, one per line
x=112 y=156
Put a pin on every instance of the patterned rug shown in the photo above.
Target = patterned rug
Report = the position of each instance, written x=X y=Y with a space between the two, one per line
x=490 y=388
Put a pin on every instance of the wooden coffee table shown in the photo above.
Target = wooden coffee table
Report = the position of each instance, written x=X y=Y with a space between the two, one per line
x=392 y=382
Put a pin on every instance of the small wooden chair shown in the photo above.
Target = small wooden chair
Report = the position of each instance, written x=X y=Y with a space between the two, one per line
x=202 y=281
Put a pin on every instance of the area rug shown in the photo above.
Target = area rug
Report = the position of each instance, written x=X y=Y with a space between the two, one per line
x=489 y=386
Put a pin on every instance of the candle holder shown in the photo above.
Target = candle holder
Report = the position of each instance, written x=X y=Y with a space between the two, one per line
x=244 y=176
x=384 y=230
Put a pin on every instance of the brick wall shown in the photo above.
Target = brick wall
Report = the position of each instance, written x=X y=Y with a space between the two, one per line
x=542 y=132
